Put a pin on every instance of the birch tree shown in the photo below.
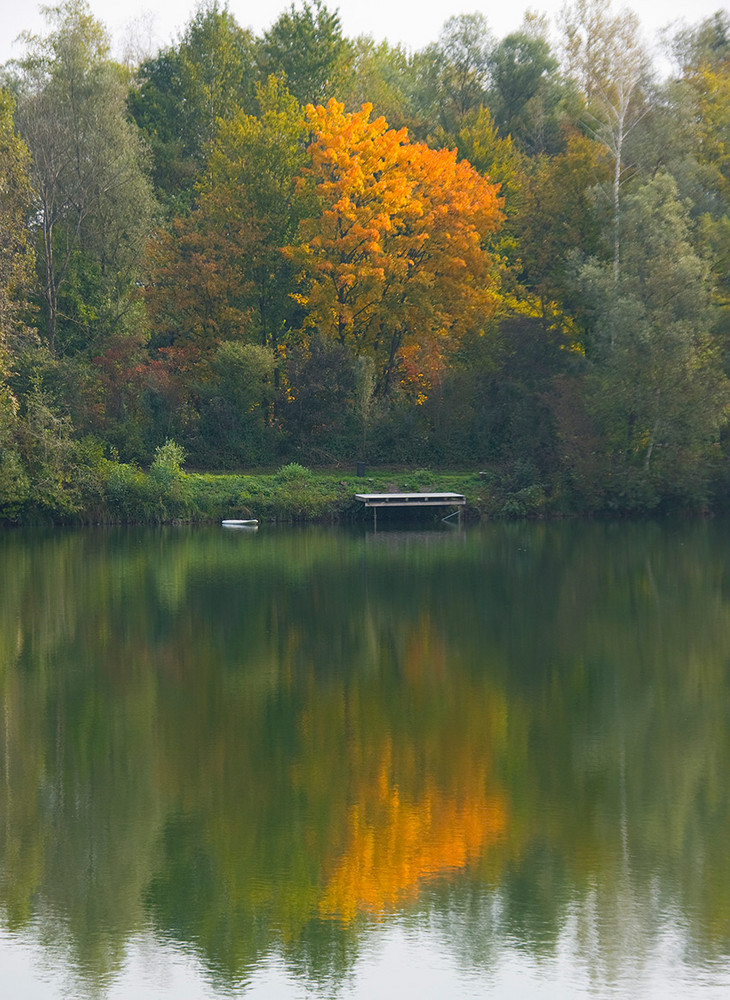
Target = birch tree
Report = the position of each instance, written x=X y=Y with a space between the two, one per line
x=605 y=55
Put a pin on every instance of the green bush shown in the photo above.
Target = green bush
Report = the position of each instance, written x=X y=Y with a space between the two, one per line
x=128 y=493
x=528 y=502
x=293 y=472
x=168 y=459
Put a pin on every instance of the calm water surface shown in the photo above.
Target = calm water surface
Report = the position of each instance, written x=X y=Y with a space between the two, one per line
x=314 y=764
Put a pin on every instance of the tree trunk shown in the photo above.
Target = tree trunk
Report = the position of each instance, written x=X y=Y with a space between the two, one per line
x=51 y=291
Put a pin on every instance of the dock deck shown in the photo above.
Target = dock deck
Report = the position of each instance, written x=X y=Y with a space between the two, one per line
x=412 y=499
x=376 y=500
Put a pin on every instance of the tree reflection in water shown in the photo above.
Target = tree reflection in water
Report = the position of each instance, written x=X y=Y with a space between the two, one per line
x=256 y=745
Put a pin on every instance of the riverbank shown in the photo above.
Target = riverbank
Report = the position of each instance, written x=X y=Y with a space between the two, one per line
x=126 y=494
x=295 y=493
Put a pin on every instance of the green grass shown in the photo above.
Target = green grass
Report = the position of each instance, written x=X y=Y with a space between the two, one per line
x=293 y=493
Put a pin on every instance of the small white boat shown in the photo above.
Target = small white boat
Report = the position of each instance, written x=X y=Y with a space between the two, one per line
x=252 y=524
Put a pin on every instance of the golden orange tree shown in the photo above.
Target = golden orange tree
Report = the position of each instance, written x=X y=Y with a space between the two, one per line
x=396 y=262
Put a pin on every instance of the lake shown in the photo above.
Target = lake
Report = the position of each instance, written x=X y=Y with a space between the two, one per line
x=318 y=763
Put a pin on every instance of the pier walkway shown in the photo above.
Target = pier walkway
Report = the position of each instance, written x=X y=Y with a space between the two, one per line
x=376 y=500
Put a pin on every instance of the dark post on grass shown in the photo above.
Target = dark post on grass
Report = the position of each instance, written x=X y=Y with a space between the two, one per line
x=361 y=468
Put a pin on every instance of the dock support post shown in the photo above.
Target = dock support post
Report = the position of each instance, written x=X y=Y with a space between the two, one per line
x=375 y=518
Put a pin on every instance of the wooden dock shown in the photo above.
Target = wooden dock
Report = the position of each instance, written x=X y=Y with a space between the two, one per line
x=376 y=500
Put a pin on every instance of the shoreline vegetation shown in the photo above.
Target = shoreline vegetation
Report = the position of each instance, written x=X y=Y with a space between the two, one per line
x=114 y=493
x=117 y=493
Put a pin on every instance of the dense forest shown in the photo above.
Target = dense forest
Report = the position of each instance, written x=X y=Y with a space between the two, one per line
x=508 y=254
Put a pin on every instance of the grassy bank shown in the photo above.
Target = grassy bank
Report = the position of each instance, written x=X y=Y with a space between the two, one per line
x=293 y=493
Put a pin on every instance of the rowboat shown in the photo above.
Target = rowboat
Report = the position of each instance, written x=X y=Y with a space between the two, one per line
x=230 y=523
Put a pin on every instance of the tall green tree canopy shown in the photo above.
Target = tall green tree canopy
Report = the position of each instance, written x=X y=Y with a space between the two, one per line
x=307 y=46
x=16 y=250
x=606 y=54
x=94 y=202
x=525 y=94
x=218 y=273
x=183 y=91
x=453 y=73
x=658 y=388
x=16 y=270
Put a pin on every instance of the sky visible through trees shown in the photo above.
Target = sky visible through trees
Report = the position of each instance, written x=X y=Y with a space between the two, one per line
x=410 y=23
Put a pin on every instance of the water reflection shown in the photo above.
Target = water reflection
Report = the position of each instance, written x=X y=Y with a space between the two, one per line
x=275 y=750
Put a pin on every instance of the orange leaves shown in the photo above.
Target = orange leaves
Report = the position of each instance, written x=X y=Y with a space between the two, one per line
x=417 y=777
x=398 y=252
x=391 y=256
x=394 y=845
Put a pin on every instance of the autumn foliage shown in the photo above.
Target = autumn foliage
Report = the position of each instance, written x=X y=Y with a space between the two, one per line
x=399 y=253
x=324 y=226
x=396 y=844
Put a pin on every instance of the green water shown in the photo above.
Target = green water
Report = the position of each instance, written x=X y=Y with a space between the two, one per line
x=311 y=763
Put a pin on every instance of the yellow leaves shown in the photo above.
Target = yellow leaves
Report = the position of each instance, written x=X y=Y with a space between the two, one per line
x=403 y=230
x=714 y=103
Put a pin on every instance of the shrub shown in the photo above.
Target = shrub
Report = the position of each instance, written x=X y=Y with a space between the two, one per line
x=294 y=493
x=293 y=472
x=168 y=459
x=528 y=502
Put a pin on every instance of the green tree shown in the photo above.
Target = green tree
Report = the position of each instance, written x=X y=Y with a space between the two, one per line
x=605 y=54
x=452 y=74
x=251 y=190
x=219 y=273
x=14 y=483
x=704 y=44
x=687 y=133
x=381 y=75
x=16 y=251
x=322 y=382
x=181 y=94
x=307 y=47
x=236 y=417
x=94 y=203
x=555 y=215
x=16 y=270
x=712 y=150
x=524 y=95
x=499 y=159
x=657 y=387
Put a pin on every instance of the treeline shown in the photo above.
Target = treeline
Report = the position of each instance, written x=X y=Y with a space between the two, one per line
x=298 y=246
